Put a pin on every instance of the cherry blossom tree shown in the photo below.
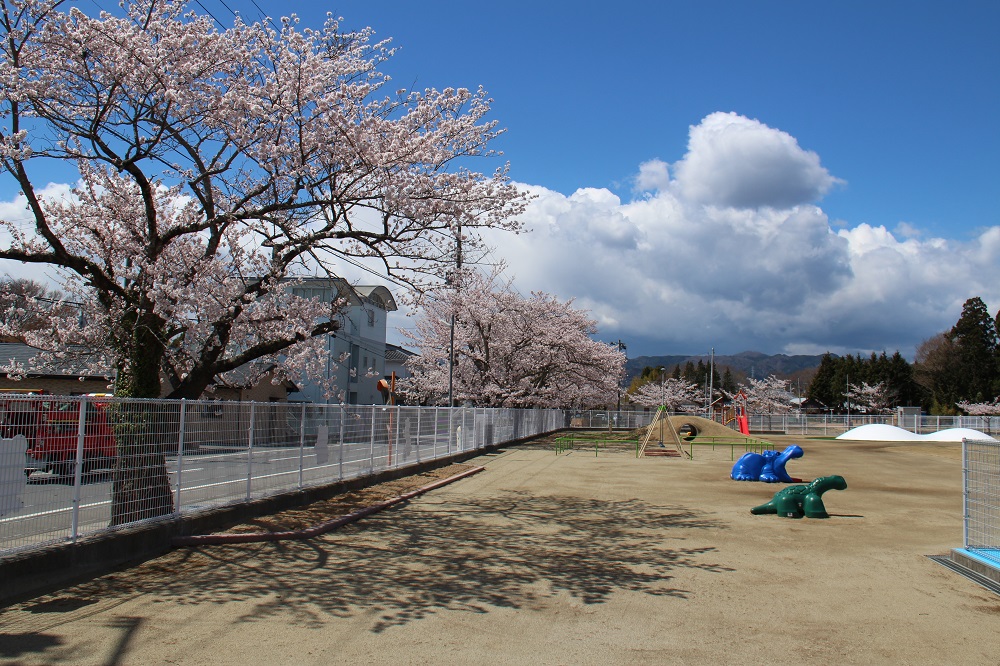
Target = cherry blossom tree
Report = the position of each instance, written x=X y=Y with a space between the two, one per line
x=510 y=351
x=767 y=396
x=215 y=164
x=875 y=399
x=980 y=408
x=26 y=305
x=984 y=410
x=669 y=393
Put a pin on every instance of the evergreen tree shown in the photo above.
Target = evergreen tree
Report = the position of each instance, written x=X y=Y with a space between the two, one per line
x=975 y=338
x=728 y=383
x=823 y=386
x=900 y=379
x=689 y=375
x=996 y=356
x=937 y=371
x=830 y=383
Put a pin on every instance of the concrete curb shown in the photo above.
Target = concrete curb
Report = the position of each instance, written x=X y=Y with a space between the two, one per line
x=322 y=528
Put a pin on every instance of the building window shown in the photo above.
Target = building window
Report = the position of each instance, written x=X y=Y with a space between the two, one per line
x=307 y=292
x=355 y=360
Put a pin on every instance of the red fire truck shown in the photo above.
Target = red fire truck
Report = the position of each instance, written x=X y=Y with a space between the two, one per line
x=51 y=428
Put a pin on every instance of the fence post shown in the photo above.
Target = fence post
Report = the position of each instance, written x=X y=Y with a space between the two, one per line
x=81 y=429
x=965 y=493
x=302 y=442
x=340 y=458
x=418 y=434
x=180 y=456
x=371 y=447
x=253 y=414
x=434 y=446
x=396 y=412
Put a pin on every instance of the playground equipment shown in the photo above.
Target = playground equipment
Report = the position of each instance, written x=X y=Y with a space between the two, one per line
x=661 y=423
x=674 y=432
x=742 y=420
x=807 y=500
x=768 y=466
x=737 y=411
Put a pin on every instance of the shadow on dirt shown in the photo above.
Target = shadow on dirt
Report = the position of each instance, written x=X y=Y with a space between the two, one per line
x=17 y=645
x=512 y=551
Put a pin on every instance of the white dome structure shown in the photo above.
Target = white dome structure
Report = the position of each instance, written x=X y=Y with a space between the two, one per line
x=879 y=432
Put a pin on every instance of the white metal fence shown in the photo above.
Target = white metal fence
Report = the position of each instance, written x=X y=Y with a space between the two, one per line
x=981 y=475
x=179 y=457
x=794 y=423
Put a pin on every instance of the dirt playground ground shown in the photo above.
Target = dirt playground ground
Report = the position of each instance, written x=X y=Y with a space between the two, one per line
x=564 y=559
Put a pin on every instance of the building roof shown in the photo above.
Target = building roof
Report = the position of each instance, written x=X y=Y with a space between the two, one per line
x=396 y=354
x=378 y=295
x=355 y=294
x=20 y=354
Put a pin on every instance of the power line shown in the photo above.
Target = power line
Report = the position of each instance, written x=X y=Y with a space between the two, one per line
x=235 y=15
x=205 y=9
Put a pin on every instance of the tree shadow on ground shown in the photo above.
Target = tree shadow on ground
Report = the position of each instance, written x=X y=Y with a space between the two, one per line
x=513 y=550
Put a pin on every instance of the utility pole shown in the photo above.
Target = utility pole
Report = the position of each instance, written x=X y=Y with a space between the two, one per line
x=621 y=348
x=451 y=347
x=711 y=381
x=663 y=400
x=848 y=401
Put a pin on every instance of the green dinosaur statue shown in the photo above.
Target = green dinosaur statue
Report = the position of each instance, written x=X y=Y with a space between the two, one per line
x=798 y=501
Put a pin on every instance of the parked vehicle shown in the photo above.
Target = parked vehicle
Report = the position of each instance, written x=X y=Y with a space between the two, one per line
x=51 y=428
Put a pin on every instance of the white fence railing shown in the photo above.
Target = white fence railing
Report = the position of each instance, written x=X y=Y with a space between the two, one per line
x=180 y=457
x=981 y=493
x=795 y=423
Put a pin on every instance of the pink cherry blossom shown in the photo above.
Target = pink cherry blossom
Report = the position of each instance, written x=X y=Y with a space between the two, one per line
x=509 y=350
x=214 y=166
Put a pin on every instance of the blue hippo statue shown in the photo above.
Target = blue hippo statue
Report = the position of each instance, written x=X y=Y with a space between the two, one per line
x=768 y=467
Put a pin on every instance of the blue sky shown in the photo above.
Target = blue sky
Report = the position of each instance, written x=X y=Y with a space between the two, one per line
x=781 y=176
x=887 y=93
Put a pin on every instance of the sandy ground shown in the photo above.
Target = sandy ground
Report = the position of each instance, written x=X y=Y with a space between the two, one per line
x=564 y=559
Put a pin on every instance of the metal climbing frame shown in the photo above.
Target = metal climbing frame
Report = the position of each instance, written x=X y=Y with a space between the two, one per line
x=981 y=473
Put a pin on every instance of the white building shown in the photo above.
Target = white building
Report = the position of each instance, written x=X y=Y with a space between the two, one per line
x=360 y=339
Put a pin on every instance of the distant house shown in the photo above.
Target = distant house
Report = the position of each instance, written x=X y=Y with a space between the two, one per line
x=67 y=378
x=244 y=385
x=360 y=341
x=64 y=378
x=812 y=406
x=395 y=361
x=395 y=365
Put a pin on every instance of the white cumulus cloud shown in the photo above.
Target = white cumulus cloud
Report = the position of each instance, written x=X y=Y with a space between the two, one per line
x=733 y=161
x=734 y=253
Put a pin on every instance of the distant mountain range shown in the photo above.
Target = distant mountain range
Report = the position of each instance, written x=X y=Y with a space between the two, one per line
x=748 y=364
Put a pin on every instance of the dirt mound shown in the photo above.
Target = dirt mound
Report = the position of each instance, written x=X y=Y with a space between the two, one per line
x=700 y=427
x=695 y=426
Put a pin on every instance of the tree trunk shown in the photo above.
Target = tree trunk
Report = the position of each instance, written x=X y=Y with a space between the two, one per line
x=141 y=487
